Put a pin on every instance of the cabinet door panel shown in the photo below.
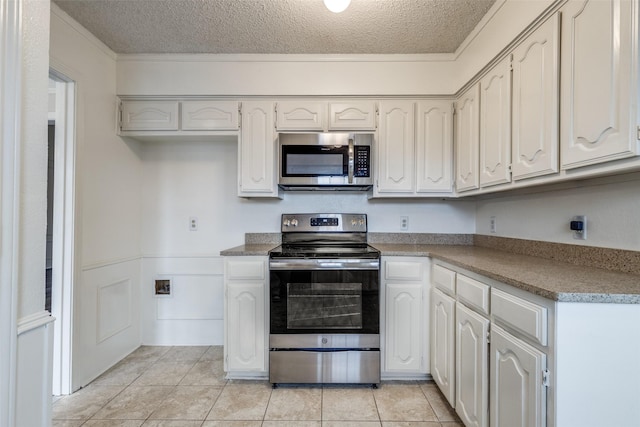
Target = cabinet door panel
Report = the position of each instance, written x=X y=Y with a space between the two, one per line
x=149 y=115
x=404 y=326
x=518 y=398
x=535 y=103
x=246 y=326
x=472 y=376
x=257 y=150
x=468 y=140
x=352 y=115
x=598 y=82
x=434 y=145
x=295 y=115
x=209 y=115
x=495 y=125
x=396 y=147
x=443 y=343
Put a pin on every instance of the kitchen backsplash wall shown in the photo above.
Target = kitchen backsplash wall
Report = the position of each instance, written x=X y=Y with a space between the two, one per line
x=610 y=205
x=185 y=179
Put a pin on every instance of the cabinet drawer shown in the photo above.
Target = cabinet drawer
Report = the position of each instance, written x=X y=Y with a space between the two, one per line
x=473 y=293
x=245 y=269
x=444 y=279
x=404 y=270
x=526 y=317
x=352 y=115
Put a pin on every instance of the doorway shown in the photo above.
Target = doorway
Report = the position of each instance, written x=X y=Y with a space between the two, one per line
x=61 y=220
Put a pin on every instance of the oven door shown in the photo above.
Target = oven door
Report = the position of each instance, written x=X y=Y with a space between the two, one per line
x=324 y=297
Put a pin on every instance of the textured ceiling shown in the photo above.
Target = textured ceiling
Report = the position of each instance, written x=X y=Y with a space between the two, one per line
x=278 y=26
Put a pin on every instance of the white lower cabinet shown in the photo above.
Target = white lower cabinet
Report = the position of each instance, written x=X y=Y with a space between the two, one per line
x=518 y=394
x=246 y=317
x=443 y=343
x=472 y=369
x=404 y=317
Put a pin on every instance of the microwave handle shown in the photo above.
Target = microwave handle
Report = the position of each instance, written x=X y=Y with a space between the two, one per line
x=351 y=160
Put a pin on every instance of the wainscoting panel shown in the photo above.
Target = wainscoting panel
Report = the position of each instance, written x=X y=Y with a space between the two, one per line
x=114 y=308
x=193 y=312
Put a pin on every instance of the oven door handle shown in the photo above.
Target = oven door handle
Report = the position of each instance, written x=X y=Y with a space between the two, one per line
x=324 y=264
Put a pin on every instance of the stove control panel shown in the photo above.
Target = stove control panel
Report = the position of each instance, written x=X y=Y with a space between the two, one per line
x=324 y=223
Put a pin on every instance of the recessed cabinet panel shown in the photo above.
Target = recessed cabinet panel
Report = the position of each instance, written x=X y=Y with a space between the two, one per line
x=404 y=327
x=396 y=147
x=598 y=82
x=468 y=139
x=443 y=344
x=301 y=116
x=149 y=115
x=352 y=115
x=434 y=146
x=257 y=148
x=495 y=125
x=246 y=326
x=472 y=374
x=517 y=396
x=209 y=115
x=535 y=102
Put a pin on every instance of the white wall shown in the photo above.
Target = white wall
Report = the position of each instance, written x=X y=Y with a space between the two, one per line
x=611 y=210
x=185 y=179
x=106 y=290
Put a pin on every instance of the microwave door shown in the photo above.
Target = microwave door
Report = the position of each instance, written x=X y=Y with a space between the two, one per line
x=315 y=161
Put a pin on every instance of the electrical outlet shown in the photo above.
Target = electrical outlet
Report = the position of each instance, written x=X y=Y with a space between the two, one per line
x=492 y=224
x=578 y=226
x=193 y=223
x=404 y=223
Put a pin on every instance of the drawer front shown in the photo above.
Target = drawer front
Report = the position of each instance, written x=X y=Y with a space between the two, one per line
x=473 y=293
x=444 y=279
x=526 y=317
x=244 y=269
x=404 y=270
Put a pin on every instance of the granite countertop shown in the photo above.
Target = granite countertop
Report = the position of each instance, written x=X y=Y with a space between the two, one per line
x=551 y=279
x=556 y=280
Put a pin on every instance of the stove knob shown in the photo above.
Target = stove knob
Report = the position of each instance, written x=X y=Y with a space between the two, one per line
x=361 y=222
x=294 y=222
x=354 y=222
x=286 y=222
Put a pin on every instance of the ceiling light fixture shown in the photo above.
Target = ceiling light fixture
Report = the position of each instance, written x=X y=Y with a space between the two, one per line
x=337 y=6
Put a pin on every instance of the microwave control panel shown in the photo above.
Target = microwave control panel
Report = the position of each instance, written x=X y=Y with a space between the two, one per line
x=362 y=161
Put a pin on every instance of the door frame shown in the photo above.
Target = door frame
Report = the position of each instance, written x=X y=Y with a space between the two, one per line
x=10 y=145
x=64 y=235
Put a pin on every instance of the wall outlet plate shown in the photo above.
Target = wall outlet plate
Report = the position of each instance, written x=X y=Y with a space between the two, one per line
x=579 y=234
x=492 y=224
x=404 y=223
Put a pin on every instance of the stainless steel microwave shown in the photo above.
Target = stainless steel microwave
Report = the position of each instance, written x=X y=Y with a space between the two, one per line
x=325 y=161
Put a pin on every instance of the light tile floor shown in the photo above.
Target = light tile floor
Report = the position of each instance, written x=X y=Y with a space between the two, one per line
x=185 y=387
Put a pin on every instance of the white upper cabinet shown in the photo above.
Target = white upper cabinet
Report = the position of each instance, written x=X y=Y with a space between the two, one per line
x=209 y=115
x=257 y=148
x=301 y=116
x=434 y=146
x=149 y=115
x=598 y=81
x=534 y=136
x=468 y=139
x=495 y=125
x=395 y=151
x=352 y=115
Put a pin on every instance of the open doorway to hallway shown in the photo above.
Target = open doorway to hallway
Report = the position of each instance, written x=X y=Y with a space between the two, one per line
x=61 y=225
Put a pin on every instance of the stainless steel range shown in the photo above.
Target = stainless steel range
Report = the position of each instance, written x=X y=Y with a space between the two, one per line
x=324 y=302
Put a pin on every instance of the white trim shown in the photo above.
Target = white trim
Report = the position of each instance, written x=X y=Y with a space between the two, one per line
x=64 y=220
x=34 y=321
x=183 y=255
x=479 y=27
x=110 y=262
x=250 y=57
x=10 y=122
x=72 y=23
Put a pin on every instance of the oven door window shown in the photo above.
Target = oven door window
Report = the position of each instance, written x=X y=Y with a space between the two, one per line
x=324 y=305
x=309 y=161
x=317 y=301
